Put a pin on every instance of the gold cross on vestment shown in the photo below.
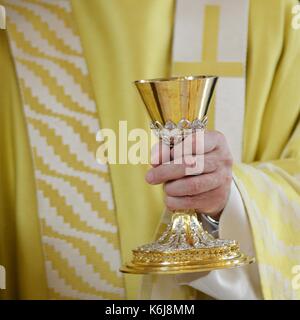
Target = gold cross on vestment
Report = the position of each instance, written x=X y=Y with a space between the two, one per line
x=210 y=64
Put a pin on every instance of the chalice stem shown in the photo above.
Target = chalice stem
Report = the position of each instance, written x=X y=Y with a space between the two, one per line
x=184 y=231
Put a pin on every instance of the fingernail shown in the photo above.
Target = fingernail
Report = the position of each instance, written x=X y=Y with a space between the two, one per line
x=149 y=177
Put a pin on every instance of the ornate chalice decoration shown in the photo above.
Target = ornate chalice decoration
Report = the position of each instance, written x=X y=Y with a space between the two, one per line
x=178 y=107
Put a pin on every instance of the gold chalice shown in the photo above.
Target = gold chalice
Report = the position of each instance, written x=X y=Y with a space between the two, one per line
x=177 y=107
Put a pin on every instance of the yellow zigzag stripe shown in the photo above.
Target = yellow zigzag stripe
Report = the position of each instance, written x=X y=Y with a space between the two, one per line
x=69 y=275
x=43 y=29
x=83 y=187
x=68 y=66
x=59 y=12
x=88 y=138
x=90 y=251
x=92 y=256
x=66 y=212
x=54 y=88
x=61 y=149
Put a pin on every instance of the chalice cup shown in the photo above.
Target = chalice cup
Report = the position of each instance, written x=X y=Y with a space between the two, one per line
x=177 y=107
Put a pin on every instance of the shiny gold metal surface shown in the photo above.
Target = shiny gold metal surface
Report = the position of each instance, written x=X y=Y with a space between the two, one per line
x=174 y=99
x=204 y=266
x=178 y=107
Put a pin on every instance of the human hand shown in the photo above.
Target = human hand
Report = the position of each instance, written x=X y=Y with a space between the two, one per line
x=208 y=191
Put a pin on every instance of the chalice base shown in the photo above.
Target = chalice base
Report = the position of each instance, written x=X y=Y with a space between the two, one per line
x=186 y=247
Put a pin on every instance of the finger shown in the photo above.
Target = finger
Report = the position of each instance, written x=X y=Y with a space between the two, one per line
x=209 y=202
x=169 y=171
x=194 y=185
x=200 y=142
x=160 y=153
x=190 y=165
x=205 y=163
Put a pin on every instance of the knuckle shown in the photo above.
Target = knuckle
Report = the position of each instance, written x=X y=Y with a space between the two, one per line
x=228 y=161
x=228 y=179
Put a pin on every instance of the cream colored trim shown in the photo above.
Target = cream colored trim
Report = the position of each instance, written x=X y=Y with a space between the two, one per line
x=210 y=36
x=2 y=18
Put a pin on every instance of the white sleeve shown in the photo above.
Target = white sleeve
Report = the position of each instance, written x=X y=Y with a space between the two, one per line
x=234 y=284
